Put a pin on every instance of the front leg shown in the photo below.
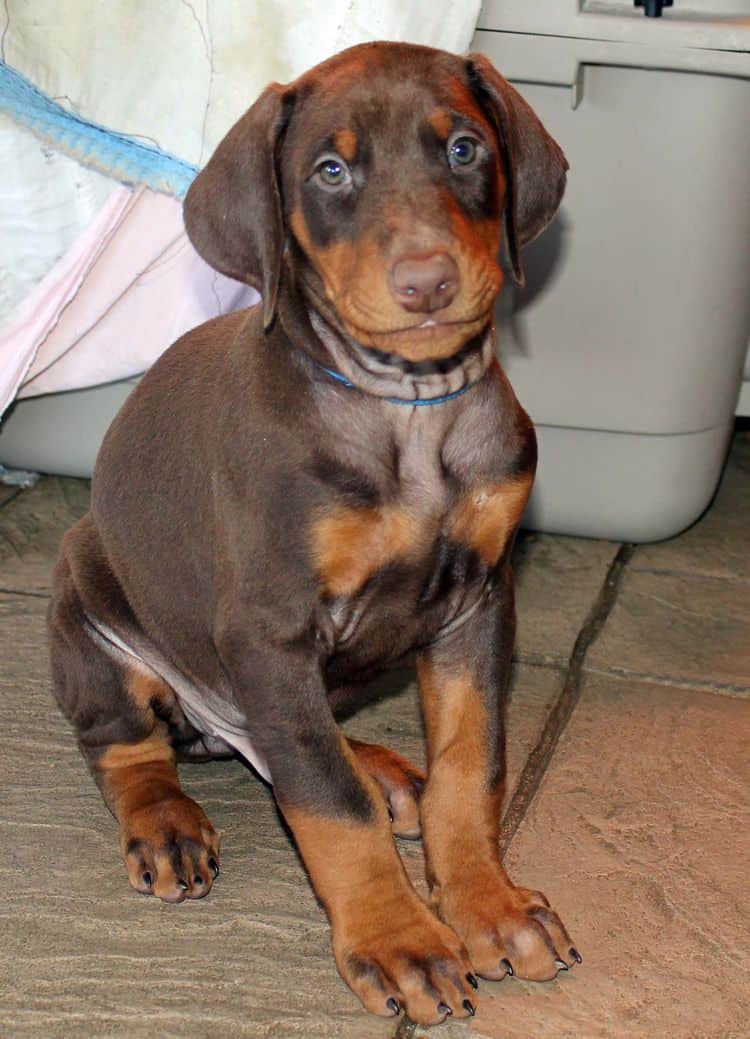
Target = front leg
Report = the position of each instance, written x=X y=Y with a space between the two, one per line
x=389 y=948
x=463 y=680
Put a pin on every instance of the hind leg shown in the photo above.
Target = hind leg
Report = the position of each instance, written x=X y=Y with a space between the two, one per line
x=170 y=848
x=120 y=712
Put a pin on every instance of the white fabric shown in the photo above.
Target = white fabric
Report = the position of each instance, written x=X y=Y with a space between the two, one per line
x=177 y=75
x=100 y=314
x=46 y=200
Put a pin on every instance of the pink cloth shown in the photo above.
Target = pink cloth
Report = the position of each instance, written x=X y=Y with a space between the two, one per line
x=129 y=286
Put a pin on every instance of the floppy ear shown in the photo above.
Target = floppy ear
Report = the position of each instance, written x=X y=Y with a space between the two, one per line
x=535 y=164
x=232 y=210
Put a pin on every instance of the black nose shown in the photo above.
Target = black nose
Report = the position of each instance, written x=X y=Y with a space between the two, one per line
x=422 y=284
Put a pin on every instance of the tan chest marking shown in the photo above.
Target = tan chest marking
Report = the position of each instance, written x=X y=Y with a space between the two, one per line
x=486 y=518
x=351 y=544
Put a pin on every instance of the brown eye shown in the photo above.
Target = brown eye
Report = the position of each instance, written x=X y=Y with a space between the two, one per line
x=333 y=173
x=462 y=151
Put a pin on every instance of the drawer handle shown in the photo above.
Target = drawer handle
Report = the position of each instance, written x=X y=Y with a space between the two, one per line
x=653 y=8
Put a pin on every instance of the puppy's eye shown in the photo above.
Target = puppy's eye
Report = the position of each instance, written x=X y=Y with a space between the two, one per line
x=333 y=173
x=462 y=151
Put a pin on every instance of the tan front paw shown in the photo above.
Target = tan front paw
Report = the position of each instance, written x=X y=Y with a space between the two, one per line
x=400 y=957
x=506 y=929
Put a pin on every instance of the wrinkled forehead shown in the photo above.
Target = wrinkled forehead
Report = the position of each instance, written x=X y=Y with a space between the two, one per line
x=391 y=97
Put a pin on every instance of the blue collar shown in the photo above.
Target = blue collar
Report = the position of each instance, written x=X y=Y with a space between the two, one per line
x=417 y=403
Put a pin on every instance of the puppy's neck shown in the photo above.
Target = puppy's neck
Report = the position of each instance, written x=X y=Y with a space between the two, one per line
x=315 y=330
x=387 y=375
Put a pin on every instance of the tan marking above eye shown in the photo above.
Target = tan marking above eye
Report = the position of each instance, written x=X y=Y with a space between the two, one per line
x=486 y=518
x=345 y=143
x=351 y=544
x=441 y=122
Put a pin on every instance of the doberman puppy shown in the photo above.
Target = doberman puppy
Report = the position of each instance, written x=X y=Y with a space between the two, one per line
x=298 y=495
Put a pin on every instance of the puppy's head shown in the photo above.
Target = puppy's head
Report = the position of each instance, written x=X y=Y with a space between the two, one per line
x=383 y=175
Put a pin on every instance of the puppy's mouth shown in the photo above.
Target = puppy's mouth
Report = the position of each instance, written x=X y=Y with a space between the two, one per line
x=430 y=339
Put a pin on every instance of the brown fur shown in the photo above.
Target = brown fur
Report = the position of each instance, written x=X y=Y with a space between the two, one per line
x=328 y=530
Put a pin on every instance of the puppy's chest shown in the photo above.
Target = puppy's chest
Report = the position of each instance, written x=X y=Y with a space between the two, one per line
x=394 y=572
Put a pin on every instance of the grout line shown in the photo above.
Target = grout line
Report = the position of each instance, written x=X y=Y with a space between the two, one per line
x=21 y=591
x=11 y=497
x=545 y=664
x=559 y=716
x=702 y=574
x=673 y=681
x=16 y=493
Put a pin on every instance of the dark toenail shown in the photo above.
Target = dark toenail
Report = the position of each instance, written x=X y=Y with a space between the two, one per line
x=182 y=885
x=469 y=1007
x=390 y=815
x=443 y=1008
x=213 y=865
x=147 y=878
x=472 y=980
x=197 y=880
x=508 y=968
x=393 y=1005
x=576 y=955
x=561 y=964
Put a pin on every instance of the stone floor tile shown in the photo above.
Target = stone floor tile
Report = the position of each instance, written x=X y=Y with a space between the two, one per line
x=82 y=951
x=81 y=954
x=718 y=544
x=6 y=493
x=678 y=627
x=31 y=526
x=639 y=836
x=646 y=862
x=557 y=582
